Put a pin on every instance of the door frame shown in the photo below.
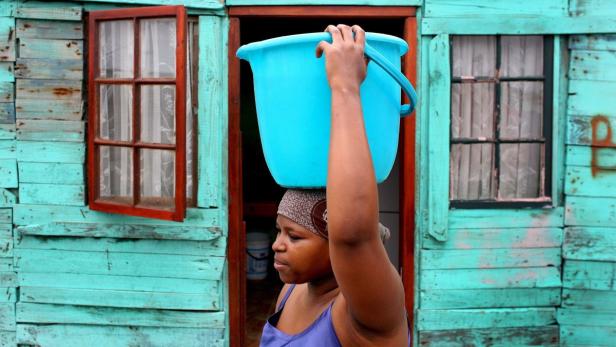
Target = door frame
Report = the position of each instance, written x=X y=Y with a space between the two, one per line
x=236 y=237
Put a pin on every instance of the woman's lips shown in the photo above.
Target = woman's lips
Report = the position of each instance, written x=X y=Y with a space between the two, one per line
x=279 y=264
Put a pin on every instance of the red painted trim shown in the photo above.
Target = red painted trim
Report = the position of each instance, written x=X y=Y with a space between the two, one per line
x=322 y=11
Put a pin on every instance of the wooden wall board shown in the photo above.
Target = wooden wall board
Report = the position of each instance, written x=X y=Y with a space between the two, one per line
x=540 y=277
x=502 y=9
x=6 y=215
x=8 y=173
x=49 y=29
x=49 y=89
x=593 y=65
x=50 y=130
x=7 y=8
x=7 y=92
x=584 y=181
x=590 y=211
x=7 y=316
x=7 y=149
x=598 y=336
x=604 y=300
x=485 y=318
x=8 y=294
x=51 y=152
x=527 y=336
x=600 y=42
x=7 y=39
x=7 y=198
x=590 y=243
x=52 y=194
x=49 y=109
x=559 y=116
x=324 y=2
x=489 y=258
x=505 y=218
x=582 y=156
x=6 y=247
x=198 y=4
x=8 y=279
x=7 y=131
x=6 y=265
x=586 y=317
x=592 y=8
x=50 y=49
x=497 y=238
x=6 y=72
x=489 y=298
x=49 y=10
x=593 y=275
x=580 y=129
x=54 y=173
x=65 y=69
x=7 y=113
x=591 y=98
x=6 y=230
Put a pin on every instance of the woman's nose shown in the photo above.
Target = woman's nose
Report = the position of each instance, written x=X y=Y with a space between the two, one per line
x=278 y=245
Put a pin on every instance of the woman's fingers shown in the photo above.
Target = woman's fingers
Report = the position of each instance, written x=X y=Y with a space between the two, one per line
x=360 y=35
x=335 y=32
x=347 y=33
x=321 y=47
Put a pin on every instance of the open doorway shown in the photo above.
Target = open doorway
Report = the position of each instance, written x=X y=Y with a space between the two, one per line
x=250 y=180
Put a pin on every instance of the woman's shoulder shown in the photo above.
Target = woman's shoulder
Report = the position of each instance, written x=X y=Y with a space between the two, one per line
x=282 y=294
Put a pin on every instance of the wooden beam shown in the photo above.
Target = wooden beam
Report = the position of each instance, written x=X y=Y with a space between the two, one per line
x=322 y=11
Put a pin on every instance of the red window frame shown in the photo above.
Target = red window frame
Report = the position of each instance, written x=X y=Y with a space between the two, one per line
x=136 y=14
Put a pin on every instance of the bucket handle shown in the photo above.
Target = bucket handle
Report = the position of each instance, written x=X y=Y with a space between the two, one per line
x=408 y=89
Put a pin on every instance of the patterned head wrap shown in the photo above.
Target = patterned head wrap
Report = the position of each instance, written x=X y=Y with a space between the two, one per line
x=308 y=208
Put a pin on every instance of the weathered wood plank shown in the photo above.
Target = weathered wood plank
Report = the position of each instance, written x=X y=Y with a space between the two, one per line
x=7 y=9
x=542 y=277
x=559 y=115
x=602 y=318
x=50 y=49
x=7 y=316
x=7 y=131
x=6 y=215
x=201 y=4
x=7 y=338
x=587 y=335
x=52 y=194
x=42 y=10
x=7 y=149
x=6 y=265
x=42 y=214
x=7 y=113
x=119 y=283
x=8 y=173
x=88 y=335
x=590 y=211
x=593 y=65
x=589 y=275
x=589 y=97
x=120 y=298
x=489 y=298
x=55 y=173
x=49 y=29
x=7 y=198
x=601 y=42
x=582 y=156
x=598 y=244
x=7 y=93
x=8 y=279
x=71 y=69
x=6 y=72
x=482 y=8
x=46 y=313
x=6 y=231
x=50 y=130
x=216 y=247
x=6 y=247
x=485 y=318
x=582 y=181
x=592 y=8
x=527 y=336
x=49 y=89
x=51 y=152
x=584 y=130
x=589 y=299
x=129 y=264
x=7 y=39
x=489 y=258
x=496 y=218
x=49 y=109
x=496 y=238
x=8 y=294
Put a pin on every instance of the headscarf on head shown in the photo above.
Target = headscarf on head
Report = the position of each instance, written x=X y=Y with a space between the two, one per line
x=308 y=208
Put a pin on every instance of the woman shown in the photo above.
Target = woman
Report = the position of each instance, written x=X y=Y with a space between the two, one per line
x=341 y=288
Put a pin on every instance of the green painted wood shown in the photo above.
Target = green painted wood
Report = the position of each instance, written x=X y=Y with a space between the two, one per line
x=7 y=338
x=489 y=298
x=51 y=152
x=128 y=264
x=7 y=113
x=588 y=97
x=587 y=335
x=593 y=65
x=47 y=10
x=592 y=275
x=7 y=131
x=527 y=336
x=485 y=318
x=49 y=29
x=598 y=244
x=582 y=156
x=325 y=2
x=8 y=173
x=6 y=265
x=212 y=72
x=6 y=215
x=496 y=238
x=489 y=258
x=438 y=132
x=49 y=89
x=70 y=69
x=55 y=173
x=7 y=39
x=589 y=299
x=6 y=247
x=559 y=116
x=90 y=335
x=590 y=211
x=540 y=277
x=7 y=316
x=43 y=214
x=7 y=9
x=52 y=194
x=119 y=283
x=215 y=247
x=8 y=295
x=8 y=279
x=120 y=298
x=7 y=198
x=580 y=129
x=592 y=8
x=50 y=130
x=6 y=231
x=50 y=49
x=49 y=109
x=504 y=8
x=581 y=182
x=128 y=230
x=593 y=42
x=578 y=317
x=7 y=92
x=202 y=4
x=497 y=218
x=6 y=72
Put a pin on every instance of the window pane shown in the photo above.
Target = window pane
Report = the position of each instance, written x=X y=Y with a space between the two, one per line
x=157 y=53
x=116 y=174
x=116 y=110
x=158 y=113
x=472 y=110
x=116 y=49
x=521 y=110
x=157 y=186
x=474 y=56
x=521 y=56
x=472 y=171
x=520 y=170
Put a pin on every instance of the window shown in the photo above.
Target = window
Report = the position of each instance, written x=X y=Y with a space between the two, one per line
x=142 y=111
x=501 y=97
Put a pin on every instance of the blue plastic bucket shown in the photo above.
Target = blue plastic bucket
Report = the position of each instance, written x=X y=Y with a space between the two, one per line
x=293 y=102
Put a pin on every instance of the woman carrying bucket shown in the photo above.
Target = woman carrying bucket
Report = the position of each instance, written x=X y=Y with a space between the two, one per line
x=341 y=289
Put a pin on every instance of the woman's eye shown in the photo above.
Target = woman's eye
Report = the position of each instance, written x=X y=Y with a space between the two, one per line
x=294 y=237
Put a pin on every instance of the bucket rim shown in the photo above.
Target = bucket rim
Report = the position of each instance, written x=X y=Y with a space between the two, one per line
x=244 y=50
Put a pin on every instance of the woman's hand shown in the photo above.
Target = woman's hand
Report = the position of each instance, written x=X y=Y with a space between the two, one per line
x=345 y=63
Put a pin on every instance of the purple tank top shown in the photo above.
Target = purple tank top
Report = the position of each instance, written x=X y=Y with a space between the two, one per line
x=319 y=334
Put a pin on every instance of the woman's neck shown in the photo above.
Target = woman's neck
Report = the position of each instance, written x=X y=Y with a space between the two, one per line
x=323 y=288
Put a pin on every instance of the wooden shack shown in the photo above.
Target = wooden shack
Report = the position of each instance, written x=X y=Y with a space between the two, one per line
x=131 y=170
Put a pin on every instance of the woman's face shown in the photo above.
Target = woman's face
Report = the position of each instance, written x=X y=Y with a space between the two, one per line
x=300 y=255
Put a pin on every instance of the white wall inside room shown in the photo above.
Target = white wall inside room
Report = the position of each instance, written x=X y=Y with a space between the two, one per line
x=389 y=210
